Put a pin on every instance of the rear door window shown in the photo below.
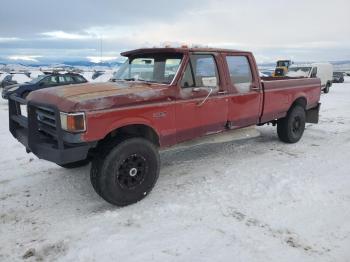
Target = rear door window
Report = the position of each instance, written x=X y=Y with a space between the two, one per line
x=240 y=73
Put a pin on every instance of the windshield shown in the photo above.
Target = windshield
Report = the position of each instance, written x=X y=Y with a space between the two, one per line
x=38 y=79
x=283 y=63
x=155 y=68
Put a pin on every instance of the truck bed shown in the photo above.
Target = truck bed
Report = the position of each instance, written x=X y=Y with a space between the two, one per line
x=280 y=92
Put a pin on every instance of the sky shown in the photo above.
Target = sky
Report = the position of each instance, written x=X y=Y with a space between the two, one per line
x=65 y=30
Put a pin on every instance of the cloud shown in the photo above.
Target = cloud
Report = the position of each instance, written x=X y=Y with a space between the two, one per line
x=65 y=35
x=28 y=58
x=99 y=59
x=8 y=39
x=303 y=29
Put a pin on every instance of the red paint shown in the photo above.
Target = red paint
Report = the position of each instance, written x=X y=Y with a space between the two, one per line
x=173 y=112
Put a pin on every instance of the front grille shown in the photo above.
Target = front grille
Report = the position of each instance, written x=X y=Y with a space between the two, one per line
x=46 y=121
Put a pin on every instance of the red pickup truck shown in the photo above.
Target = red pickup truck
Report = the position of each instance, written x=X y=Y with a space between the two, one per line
x=159 y=97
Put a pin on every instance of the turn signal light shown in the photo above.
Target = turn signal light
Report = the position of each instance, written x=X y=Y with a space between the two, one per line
x=73 y=122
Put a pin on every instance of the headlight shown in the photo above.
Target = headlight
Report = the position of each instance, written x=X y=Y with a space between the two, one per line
x=73 y=122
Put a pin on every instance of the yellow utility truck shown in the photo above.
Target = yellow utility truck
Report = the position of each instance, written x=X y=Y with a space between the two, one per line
x=282 y=67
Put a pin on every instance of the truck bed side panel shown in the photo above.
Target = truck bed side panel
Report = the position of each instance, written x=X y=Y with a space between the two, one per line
x=279 y=95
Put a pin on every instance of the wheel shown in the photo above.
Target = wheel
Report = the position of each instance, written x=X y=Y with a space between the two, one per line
x=326 y=89
x=291 y=128
x=126 y=172
x=76 y=164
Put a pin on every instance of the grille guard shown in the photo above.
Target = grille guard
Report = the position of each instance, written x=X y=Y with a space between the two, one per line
x=62 y=148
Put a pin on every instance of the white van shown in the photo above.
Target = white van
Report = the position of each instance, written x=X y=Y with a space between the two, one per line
x=323 y=71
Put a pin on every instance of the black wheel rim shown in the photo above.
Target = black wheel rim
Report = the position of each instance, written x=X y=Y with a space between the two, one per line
x=296 y=125
x=132 y=171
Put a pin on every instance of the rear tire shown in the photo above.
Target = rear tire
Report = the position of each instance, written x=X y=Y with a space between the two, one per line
x=126 y=173
x=291 y=128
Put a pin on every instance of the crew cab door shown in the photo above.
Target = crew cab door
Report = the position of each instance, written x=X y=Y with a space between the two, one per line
x=245 y=101
x=201 y=107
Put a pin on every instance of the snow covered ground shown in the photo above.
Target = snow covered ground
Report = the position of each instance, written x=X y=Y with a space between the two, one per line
x=249 y=200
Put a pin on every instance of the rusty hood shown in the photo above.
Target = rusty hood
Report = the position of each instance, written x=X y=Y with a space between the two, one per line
x=99 y=96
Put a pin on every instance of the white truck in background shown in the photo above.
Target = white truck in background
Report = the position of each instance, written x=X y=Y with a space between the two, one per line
x=323 y=71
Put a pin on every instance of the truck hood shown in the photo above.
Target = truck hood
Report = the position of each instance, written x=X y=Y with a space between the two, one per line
x=99 y=96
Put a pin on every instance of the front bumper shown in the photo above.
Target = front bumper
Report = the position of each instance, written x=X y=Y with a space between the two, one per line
x=42 y=137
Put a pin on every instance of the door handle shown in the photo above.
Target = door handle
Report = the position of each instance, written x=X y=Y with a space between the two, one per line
x=255 y=88
x=222 y=92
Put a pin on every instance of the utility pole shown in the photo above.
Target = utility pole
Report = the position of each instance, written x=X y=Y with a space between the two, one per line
x=101 y=49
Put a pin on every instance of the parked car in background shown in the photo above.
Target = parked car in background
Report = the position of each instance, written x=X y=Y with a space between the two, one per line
x=338 y=77
x=43 y=81
x=105 y=77
x=323 y=71
x=7 y=80
x=96 y=74
x=267 y=72
x=11 y=79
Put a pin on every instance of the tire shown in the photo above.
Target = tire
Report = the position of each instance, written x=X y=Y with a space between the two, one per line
x=126 y=172
x=291 y=128
x=76 y=164
x=326 y=89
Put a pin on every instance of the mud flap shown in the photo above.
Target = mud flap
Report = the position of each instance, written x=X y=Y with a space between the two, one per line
x=312 y=115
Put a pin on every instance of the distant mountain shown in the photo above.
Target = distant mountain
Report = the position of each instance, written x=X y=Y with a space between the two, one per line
x=336 y=64
x=67 y=62
x=89 y=64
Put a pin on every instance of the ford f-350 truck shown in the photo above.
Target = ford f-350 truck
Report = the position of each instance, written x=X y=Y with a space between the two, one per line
x=158 y=98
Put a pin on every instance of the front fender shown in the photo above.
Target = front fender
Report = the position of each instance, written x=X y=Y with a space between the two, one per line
x=131 y=121
x=98 y=127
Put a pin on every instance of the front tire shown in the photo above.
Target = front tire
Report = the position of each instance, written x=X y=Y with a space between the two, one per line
x=291 y=128
x=126 y=173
